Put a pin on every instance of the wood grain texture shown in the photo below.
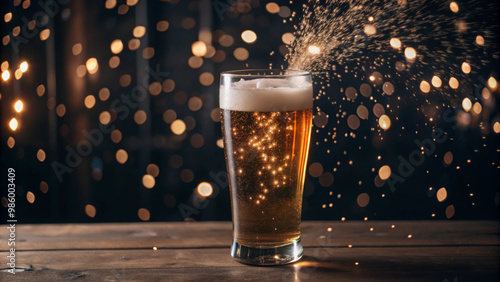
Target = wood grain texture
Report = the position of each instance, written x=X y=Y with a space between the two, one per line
x=219 y=234
x=437 y=251
x=321 y=264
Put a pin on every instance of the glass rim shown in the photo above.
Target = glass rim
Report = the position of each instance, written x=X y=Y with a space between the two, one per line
x=264 y=73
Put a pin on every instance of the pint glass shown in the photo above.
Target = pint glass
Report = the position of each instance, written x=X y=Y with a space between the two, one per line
x=266 y=123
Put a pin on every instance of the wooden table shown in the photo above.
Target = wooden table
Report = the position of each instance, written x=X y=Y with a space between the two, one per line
x=199 y=251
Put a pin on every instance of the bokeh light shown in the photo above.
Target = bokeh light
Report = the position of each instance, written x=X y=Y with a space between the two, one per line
x=384 y=122
x=40 y=155
x=121 y=156
x=153 y=170
x=395 y=43
x=148 y=181
x=92 y=65
x=13 y=124
x=425 y=86
x=249 y=36
x=204 y=189
x=23 y=66
x=466 y=104
x=272 y=8
x=436 y=81
x=363 y=200
x=18 y=106
x=199 y=48
x=139 y=31
x=384 y=172
x=116 y=46
x=143 y=214
x=5 y=75
x=90 y=210
x=30 y=197
x=441 y=194
x=89 y=101
x=410 y=53
x=492 y=83
x=178 y=127
x=241 y=54
x=453 y=83
x=313 y=49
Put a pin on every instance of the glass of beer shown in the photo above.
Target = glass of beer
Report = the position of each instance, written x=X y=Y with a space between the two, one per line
x=266 y=123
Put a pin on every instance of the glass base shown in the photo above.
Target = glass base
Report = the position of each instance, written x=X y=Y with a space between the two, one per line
x=267 y=256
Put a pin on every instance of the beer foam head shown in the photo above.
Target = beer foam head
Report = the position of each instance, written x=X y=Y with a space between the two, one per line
x=267 y=94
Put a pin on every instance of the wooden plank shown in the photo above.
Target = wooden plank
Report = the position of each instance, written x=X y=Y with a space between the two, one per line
x=218 y=234
x=319 y=264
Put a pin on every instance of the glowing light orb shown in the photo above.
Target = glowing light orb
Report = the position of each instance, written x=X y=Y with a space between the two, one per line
x=5 y=65
x=40 y=155
x=24 y=66
x=467 y=104
x=465 y=67
x=436 y=81
x=249 y=36
x=425 y=86
x=121 y=156
x=199 y=48
x=313 y=49
x=204 y=189
x=30 y=197
x=139 y=31
x=13 y=124
x=272 y=8
x=395 y=43
x=453 y=83
x=116 y=46
x=148 y=181
x=441 y=194
x=18 y=106
x=492 y=83
x=384 y=172
x=496 y=127
x=18 y=74
x=178 y=127
x=410 y=53
x=287 y=38
x=90 y=211
x=454 y=7
x=5 y=75
x=369 y=29
x=89 y=101
x=144 y=214
x=480 y=40
x=363 y=200
x=384 y=122
x=92 y=65
x=477 y=108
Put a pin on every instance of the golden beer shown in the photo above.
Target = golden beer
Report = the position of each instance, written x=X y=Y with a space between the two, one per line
x=266 y=122
x=266 y=154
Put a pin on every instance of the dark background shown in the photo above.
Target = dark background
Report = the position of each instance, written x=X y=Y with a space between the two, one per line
x=100 y=189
